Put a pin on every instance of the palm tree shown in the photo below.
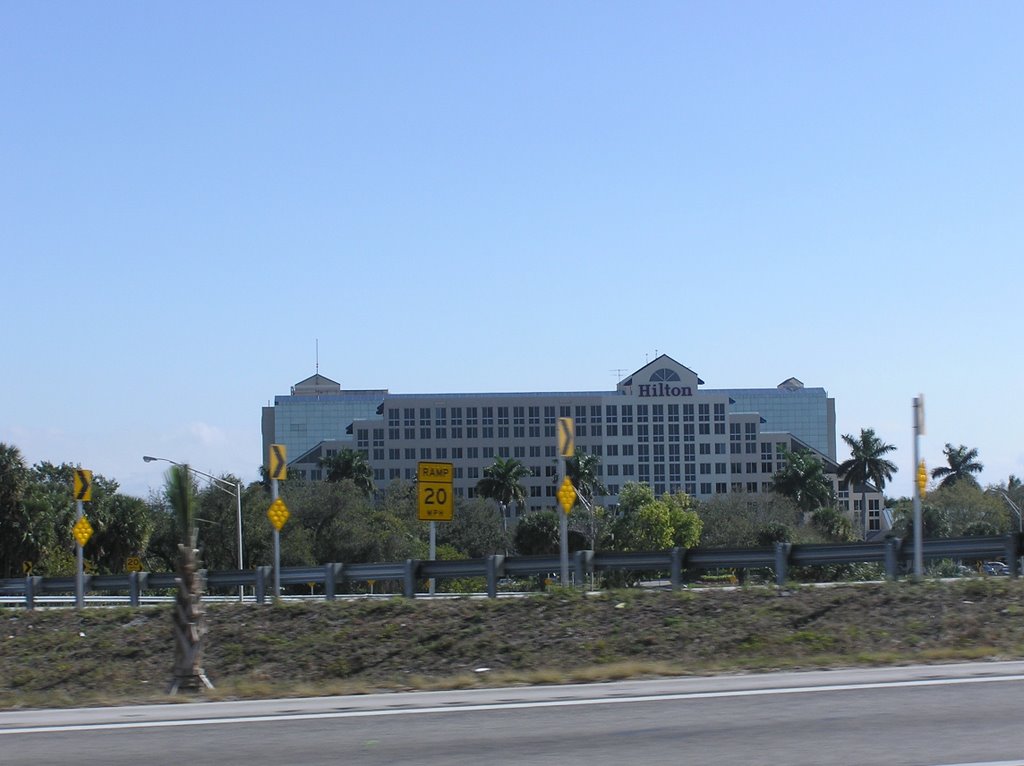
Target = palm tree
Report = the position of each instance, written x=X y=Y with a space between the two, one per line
x=501 y=482
x=581 y=469
x=962 y=463
x=189 y=619
x=867 y=464
x=349 y=464
x=804 y=482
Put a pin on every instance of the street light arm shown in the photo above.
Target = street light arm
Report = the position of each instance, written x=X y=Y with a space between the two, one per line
x=221 y=484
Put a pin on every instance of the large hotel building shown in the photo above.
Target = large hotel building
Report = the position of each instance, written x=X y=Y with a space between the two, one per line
x=659 y=426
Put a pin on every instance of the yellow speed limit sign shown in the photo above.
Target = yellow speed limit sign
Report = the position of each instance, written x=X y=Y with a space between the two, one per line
x=434 y=490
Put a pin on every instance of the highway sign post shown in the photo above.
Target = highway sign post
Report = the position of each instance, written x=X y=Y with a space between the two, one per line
x=436 y=499
x=566 y=448
x=277 y=468
x=82 y=530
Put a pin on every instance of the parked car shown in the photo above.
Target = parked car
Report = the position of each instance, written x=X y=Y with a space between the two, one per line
x=995 y=568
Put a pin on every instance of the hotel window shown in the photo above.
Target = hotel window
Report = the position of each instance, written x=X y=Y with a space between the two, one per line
x=473 y=472
x=410 y=434
x=410 y=416
x=488 y=453
x=627 y=430
x=393 y=416
x=456 y=453
x=750 y=431
x=751 y=467
x=378 y=474
x=705 y=468
x=442 y=453
x=737 y=468
x=394 y=473
x=502 y=416
x=424 y=433
x=362 y=437
x=440 y=416
x=627 y=469
x=736 y=486
x=721 y=488
x=719 y=448
x=595 y=413
x=394 y=434
x=658 y=411
x=581 y=430
x=456 y=416
x=549 y=450
x=691 y=488
x=424 y=416
x=673 y=413
x=472 y=452
x=659 y=431
x=705 y=488
x=534 y=416
x=766 y=467
x=641 y=413
x=611 y=413
x=581 y=414
x=613 y=450
x=659 y=452
x=425 y=453
x=394 y=454
x=627 y=450
x=549 y=415
x=627 y=413
x=750 y=448
x=410 y=453
x=488 y=416
x=752 y=486
x=535 y=450
x=641 y=432
x=564 y=411
x=613 y=489
x=687 y=432
x=705 y=448
x=520 y=452
x=613 y=469
x=518 y=416
x=503 y=452
x=719 y=467
x=471 y=416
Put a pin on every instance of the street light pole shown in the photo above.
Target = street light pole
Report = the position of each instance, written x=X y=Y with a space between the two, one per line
x=222 y=485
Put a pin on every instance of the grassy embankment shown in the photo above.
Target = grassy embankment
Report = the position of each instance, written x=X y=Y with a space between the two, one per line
x=113 y=656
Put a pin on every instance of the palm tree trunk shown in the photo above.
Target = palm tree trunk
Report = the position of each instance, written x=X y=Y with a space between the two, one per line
x=189 y=625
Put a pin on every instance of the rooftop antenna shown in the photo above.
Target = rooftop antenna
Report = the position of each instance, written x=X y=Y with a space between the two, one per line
x=317 y=356
x=618 y=372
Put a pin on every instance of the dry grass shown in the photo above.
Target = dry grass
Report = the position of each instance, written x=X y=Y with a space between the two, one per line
x=111 y=656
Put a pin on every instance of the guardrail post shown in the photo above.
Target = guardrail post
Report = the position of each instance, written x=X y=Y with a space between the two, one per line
x=261 y=584
x=133 y=588
x=1013 y=553
x=495 y=566
x=581 y=566
x=409 y=580
x=892 y=558
x=30 y=591
x=676 y=567
x=331 y=572
x=781 y=560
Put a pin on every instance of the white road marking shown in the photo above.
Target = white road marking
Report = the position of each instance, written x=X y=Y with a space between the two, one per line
x=447 y=709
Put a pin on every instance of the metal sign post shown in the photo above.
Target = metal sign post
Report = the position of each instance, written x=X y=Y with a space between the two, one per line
x=919 y=488
x=278 y=512
x=566 y=448
x=81 y=531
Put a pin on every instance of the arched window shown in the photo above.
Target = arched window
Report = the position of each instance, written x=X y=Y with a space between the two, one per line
x=664 y=374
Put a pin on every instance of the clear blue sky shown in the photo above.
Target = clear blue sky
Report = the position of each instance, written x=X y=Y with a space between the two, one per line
x=504 y=197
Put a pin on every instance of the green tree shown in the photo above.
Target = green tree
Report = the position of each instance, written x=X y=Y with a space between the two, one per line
x=867 y=464
x=475 y=529
x=963 y=464
x=833 y=525
x=19 y=537
x=803 y=481
x=537 y=534
x=349 y=464
x=735 y=521
x=647 y=523
x=189 y=617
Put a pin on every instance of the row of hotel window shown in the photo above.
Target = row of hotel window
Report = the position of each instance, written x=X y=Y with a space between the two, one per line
x=642 y=451
x=643 y=432
x=579 y=413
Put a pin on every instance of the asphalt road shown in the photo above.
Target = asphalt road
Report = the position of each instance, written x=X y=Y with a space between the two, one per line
x=920 y=716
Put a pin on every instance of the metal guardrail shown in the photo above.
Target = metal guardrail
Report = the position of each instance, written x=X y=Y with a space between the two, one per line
x=893 y=553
